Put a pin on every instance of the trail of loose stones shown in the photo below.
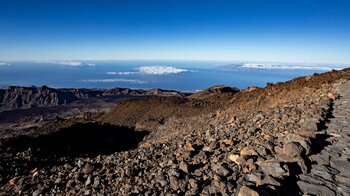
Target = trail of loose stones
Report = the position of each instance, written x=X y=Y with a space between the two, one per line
x=330 y=171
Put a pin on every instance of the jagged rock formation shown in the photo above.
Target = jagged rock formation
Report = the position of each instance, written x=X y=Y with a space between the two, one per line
x=15 y=97
x=280 y=140
x=24 y=97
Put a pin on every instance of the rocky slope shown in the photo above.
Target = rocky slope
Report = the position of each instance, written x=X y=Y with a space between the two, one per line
x=150 y=113
x=212 y=91
x=15 y=97
x=286 y=139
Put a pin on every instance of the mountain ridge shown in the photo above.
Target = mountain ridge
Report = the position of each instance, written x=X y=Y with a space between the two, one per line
x=15 y=97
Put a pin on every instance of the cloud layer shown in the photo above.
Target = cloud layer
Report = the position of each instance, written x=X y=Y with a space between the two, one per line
x=160 y=70
x=69 y=63
x=276 y=66
x=270 y=66
x=121 y=73
x=130 y=81
x=3 y=64
x=152 y=70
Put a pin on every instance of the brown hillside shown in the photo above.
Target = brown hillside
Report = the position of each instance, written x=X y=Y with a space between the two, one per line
x=212 y=91
x=149 y=113
x=296 y=93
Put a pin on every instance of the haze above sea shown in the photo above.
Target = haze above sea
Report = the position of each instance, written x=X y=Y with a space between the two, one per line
x=176 y=75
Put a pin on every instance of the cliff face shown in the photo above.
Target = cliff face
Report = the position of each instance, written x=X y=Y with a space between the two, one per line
x=26 y=97
x=16 y=97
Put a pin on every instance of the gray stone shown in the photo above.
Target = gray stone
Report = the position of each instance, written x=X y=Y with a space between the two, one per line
x=96 y=181
x=342 y=165
x=58 y=180
x=183 y=166
x=305 y=143
x=246 y=191
x=255 y=177
x=343 y=189
x=271 y=181
x=174 y=183
x=201 y=156
x=221 y=170
x=343 y=179
x=193 y=183
x=87 y=192
x=209 y=148
x=88 y=181
x=308 y=188
x=274 y=168
x=36 y=192
x=320 y=158
x=309 y=125
x=67 y=166
x=88 y=168
x=293 y=149
x=325 y=172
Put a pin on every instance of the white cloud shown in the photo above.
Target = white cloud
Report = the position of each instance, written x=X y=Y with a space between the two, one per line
x=121 y=73
x=69 y=63
x=151 y=70
x=159 y=70
x=277 y=66
x=131 y=81
x=3 y=64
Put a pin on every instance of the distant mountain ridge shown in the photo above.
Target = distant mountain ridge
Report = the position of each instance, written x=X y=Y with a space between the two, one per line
x=15 y=97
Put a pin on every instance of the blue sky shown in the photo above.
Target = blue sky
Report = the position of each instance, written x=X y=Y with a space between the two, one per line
x=252 y=30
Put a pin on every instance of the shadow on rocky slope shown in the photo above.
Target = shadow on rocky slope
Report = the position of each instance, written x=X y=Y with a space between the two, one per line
x=81 y=139
x=320 y=141
x=22 y=154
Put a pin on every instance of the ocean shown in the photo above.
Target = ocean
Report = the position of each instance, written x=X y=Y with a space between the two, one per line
x=177 y=75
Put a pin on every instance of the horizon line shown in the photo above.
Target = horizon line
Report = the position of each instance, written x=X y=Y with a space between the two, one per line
x=170 y=59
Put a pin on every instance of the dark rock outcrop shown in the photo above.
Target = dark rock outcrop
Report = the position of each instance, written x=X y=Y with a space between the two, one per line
x=16 y=97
